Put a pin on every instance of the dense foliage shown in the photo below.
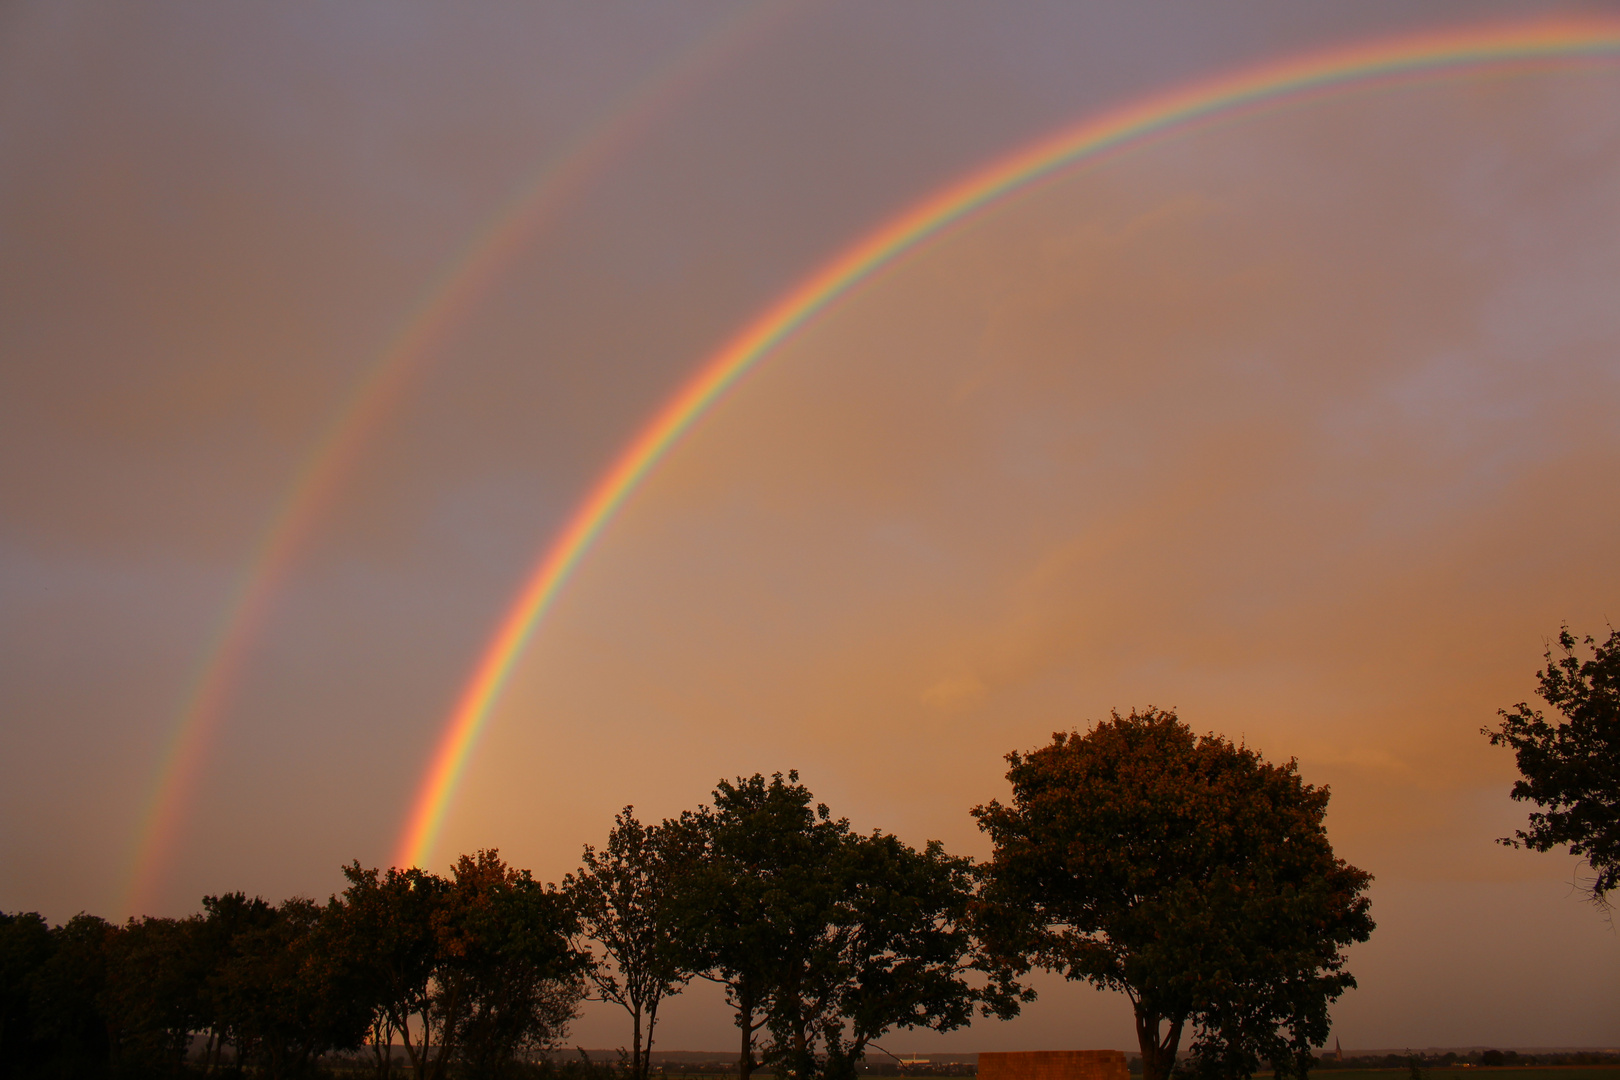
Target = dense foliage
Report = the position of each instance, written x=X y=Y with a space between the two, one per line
x=472 y=971
x=824 y=937
x=1189 y=874
x=1572 y=768
x=1184 y=871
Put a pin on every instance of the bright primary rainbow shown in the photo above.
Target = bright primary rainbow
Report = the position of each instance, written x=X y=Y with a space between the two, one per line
x=1556 y=42
x=446 y=301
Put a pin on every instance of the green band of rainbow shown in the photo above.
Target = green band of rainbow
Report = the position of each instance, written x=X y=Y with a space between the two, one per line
x=1552 y=41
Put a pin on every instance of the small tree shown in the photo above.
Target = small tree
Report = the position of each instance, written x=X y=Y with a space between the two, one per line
x=896 y=952
x=153 y=999
x=65 y=996
x=827 y=937
x=390 y=933
x=26 y=945
x=1187 y=873
x=507 y=978
x=1572 y=768
x=624 y=897
x=286 y=993
x=52 y=984
x=229 y=923
x=474 y=970
x=752 y=892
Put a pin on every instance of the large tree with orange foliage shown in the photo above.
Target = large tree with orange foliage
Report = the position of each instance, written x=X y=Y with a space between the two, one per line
x=1186 y=872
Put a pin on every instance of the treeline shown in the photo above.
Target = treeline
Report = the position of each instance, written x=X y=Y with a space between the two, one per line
x=478 y=967
x=1180 y=869
x=822 y=937
x=1486 y=1058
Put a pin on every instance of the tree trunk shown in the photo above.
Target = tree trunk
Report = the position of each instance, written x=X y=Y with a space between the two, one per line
x=745 y=1021
x=652 y=1022
x=385 y=1066
x=636 y=1071
x=1158 y=1053
x=417 y=1056
x=842 y=1060
x=789 y=1001
x=449 y=1022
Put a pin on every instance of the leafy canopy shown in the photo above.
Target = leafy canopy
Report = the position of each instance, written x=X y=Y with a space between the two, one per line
x=1571 y=769
x=625 y=896
x=1186 y=872
x=823 y=936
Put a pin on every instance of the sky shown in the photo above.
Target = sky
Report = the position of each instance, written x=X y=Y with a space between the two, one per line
x=318 y=322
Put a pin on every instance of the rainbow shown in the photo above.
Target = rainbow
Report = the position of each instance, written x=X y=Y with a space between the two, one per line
x=1555 y=42
x=444 y=303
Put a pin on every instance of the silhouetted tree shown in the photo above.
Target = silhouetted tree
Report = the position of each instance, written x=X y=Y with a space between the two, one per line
x=1187 y=873
x=754 y=892
x=154 y=994
x=472 y=972
x=65 y=998
x=625 y=897
x=1572 y=768
x=507 y=977
x=896 y=952
x=89 y=1000
x=390 y=930
x=826 y=937
x=228 y=922
x=25 y=946
x=286 y=994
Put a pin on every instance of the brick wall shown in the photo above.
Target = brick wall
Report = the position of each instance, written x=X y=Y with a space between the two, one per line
x=1054 y=1065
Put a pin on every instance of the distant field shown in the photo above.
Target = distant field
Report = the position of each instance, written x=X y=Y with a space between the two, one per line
x=1506 y=1072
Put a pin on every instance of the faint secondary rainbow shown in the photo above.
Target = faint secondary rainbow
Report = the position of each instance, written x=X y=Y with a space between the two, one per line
x=446 y=301
x=1555 y=42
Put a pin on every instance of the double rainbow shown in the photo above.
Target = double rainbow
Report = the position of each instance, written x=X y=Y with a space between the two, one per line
x=1535 y=45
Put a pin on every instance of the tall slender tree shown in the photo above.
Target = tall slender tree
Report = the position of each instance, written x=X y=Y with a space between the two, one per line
x=625 y=898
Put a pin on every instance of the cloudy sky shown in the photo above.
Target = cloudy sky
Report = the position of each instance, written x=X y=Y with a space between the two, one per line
x=317 y=322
